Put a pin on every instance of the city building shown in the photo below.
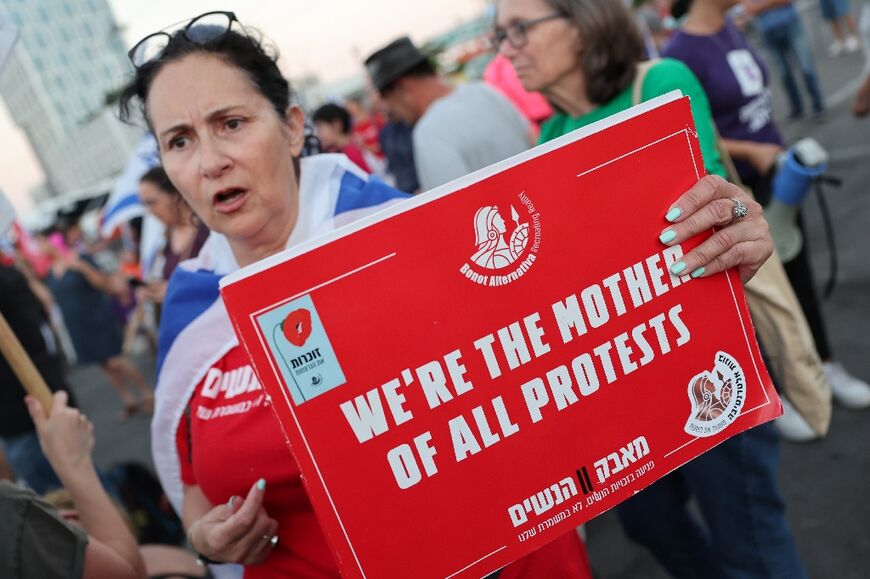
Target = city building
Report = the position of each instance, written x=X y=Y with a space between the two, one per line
x=58 y=85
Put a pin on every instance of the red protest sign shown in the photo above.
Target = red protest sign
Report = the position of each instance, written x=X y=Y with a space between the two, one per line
x=484 y=368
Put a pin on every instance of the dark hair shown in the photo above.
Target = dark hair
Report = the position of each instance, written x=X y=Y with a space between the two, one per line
x=680 y=8
x=612 y=44
x=243 y=51
x=329 y=113
x=157 y=175
x=423 y=70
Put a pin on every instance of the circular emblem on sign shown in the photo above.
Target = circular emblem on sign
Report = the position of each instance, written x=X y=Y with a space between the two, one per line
x=717 y=397
x=504 y=249
x=297 y=327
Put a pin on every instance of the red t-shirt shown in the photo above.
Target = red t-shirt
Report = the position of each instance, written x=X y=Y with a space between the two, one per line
x=355 y=154
x=229 y=438
x=366 y=133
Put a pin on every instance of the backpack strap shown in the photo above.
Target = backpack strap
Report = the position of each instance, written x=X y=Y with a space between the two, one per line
x=731 y=171
x=639 y=76
x=636 y=98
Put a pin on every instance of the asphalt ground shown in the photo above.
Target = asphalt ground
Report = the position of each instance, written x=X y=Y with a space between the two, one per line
x=825 y=483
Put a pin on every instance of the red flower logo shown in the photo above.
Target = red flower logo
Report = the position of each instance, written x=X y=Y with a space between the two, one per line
x=297 y=327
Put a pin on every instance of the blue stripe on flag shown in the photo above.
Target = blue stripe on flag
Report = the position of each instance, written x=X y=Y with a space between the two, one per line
x=129 y=201
x=357 y=193
x=189 y=294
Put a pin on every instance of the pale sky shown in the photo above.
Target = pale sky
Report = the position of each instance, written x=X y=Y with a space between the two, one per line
x=324 y=37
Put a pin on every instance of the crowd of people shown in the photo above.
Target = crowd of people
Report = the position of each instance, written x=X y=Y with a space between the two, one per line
x=241 y=178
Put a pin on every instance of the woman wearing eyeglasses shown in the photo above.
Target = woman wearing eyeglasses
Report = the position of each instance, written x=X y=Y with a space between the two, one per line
x=230 y=141
x=584 y=56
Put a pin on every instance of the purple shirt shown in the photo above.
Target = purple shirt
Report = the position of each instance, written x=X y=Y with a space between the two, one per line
x=736 y=83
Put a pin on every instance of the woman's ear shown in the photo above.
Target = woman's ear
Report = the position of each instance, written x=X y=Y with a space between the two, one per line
x=294 y=119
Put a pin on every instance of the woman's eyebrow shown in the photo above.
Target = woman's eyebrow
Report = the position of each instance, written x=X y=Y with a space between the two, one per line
x=216 y=114
x=173 y=129
x=221 y=112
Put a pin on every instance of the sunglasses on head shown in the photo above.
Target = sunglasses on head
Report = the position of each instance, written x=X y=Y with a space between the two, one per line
x=202 y=29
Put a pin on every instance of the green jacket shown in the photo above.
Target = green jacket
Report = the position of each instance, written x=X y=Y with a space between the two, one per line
x=663 y=77
x=35 y=542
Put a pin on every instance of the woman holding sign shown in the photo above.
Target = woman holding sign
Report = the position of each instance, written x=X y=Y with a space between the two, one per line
x=584 y=56
x=230 y=140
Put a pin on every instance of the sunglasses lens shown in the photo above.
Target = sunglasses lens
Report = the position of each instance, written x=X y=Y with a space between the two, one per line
x=201 y=30
x=208 y=27
x=149 y=49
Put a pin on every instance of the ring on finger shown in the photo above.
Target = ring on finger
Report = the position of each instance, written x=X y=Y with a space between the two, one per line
x=739 y=211
x=271 y=539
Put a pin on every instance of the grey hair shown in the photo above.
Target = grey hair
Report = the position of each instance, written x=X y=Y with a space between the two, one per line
x=612 y=44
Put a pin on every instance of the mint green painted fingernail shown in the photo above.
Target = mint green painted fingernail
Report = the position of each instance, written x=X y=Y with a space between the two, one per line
x=678 y=268
x=261 y=484
x=673 y=214
x=231 y=501
x=667 y=236
x=698 y=272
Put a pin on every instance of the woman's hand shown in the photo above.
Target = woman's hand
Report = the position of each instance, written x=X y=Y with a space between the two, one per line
x=156 y=291
x=237 y=532
x=742 y=243
x=67 y=438
x=66 y=435
x=94 y=276
x=73 y=261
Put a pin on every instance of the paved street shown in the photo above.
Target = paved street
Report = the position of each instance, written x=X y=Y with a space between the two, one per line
x=825 y=483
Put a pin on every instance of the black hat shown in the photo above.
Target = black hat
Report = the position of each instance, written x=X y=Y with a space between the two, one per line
x=388 y=64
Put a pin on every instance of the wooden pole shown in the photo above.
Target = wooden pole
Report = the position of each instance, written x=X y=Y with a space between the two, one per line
x=23 y=366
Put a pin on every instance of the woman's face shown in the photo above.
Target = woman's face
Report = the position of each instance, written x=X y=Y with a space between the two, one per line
x=159 y=203
x=329 y=134
x=228 y=152
x=552 y=49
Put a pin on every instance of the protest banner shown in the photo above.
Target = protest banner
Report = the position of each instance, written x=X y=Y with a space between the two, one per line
x=469 y=375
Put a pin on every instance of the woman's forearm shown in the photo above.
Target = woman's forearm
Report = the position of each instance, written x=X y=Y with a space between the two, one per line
x=93 y=276
x=762 y=156
x=100 y=517
x=737 y=149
